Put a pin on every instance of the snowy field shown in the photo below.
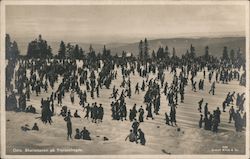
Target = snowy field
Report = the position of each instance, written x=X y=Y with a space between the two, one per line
x=160 y=138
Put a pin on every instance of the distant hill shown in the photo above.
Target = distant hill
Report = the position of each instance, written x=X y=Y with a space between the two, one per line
x=181 y=45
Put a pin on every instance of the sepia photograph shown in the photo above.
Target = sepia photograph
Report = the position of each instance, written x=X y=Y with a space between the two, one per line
x=98 y=79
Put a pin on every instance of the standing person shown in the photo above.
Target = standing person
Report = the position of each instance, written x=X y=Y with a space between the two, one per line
x=224 y=104
x=215 y=124
x=87 y=111
x=100 y=113
x=217 y=114
x=69 y=126
x=124 y=111
x=167 y=118
x=201 y=121
x=137 y=88
x=206 y=110
x=149 y=109
x=173 y=115
x=238 y=121
x=231 y=114
x=97 y=91
x=200 y=104
x=212 y=89
x=141 y=113
x=72 y=97
x=135 y=126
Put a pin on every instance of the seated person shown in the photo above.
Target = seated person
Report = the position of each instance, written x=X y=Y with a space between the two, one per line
x=35 y=127
x=31 y=109
x=131 y=136
x=85 y=134
x=76 y=115
x=78 y=135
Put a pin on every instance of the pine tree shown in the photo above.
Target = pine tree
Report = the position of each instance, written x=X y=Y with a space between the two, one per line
x=206 y=53
x=166 y=53
x=81 y=52
x=11 y=49
x=192 y=51
x=14 y=50
x=62 y=50
x=39 y=49
x=141 y=50
x=225 y=54
x=232 y=55
x=153 y=54
x=146 y=49
x=174 y=53
x=160 y=53
x=76 y=52
x=7 y=46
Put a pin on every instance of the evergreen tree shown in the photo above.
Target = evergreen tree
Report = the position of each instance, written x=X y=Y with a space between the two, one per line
x=232 y=55
x=225 y=54
x=62 y=50
x=81 y=53
x=11 y=48
x=39 y=49
x=76 y=52
x=123 y=54
x=192 y=51
x=206 y=53
x=166 y=55
x=153 y=54
x=174 y=53
x=187 y=54
x=141 y=50
x=14 y=50
x=146 y=49
x=7 y=46
x=160 y=53
x=49 y=52
x=69 y=51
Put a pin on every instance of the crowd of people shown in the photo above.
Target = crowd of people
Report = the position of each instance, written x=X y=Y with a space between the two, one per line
x=88 y=77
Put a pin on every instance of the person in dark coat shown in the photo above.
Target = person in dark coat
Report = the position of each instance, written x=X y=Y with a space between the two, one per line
x=173 y=115
x=100 y=113
x=200 y=104
x=69 y=126
x=135 y=126
x=131 y=136
x=78 y=134
x=201 y=121
x=85 y=134
x=206 y=110
x=141 y=137
x=149 y=109
x=167 y=118
x=76 y=114
x=35 y=127
x=87 y=111
x=231 y=114
x=141 y=113
x=206 y=123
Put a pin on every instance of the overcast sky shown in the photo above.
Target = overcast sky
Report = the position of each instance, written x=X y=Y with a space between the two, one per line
x=114 y=23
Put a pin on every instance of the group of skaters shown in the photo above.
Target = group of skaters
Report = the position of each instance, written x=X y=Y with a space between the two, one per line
x=211 y=121
x=89 y=76
x=136 y=134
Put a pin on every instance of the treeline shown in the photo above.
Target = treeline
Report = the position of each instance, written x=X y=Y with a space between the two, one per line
x=11 y=48
x=39 y=48
x=233 y=57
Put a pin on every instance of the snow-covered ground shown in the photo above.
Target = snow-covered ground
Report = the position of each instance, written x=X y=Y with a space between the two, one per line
x=160 y=138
